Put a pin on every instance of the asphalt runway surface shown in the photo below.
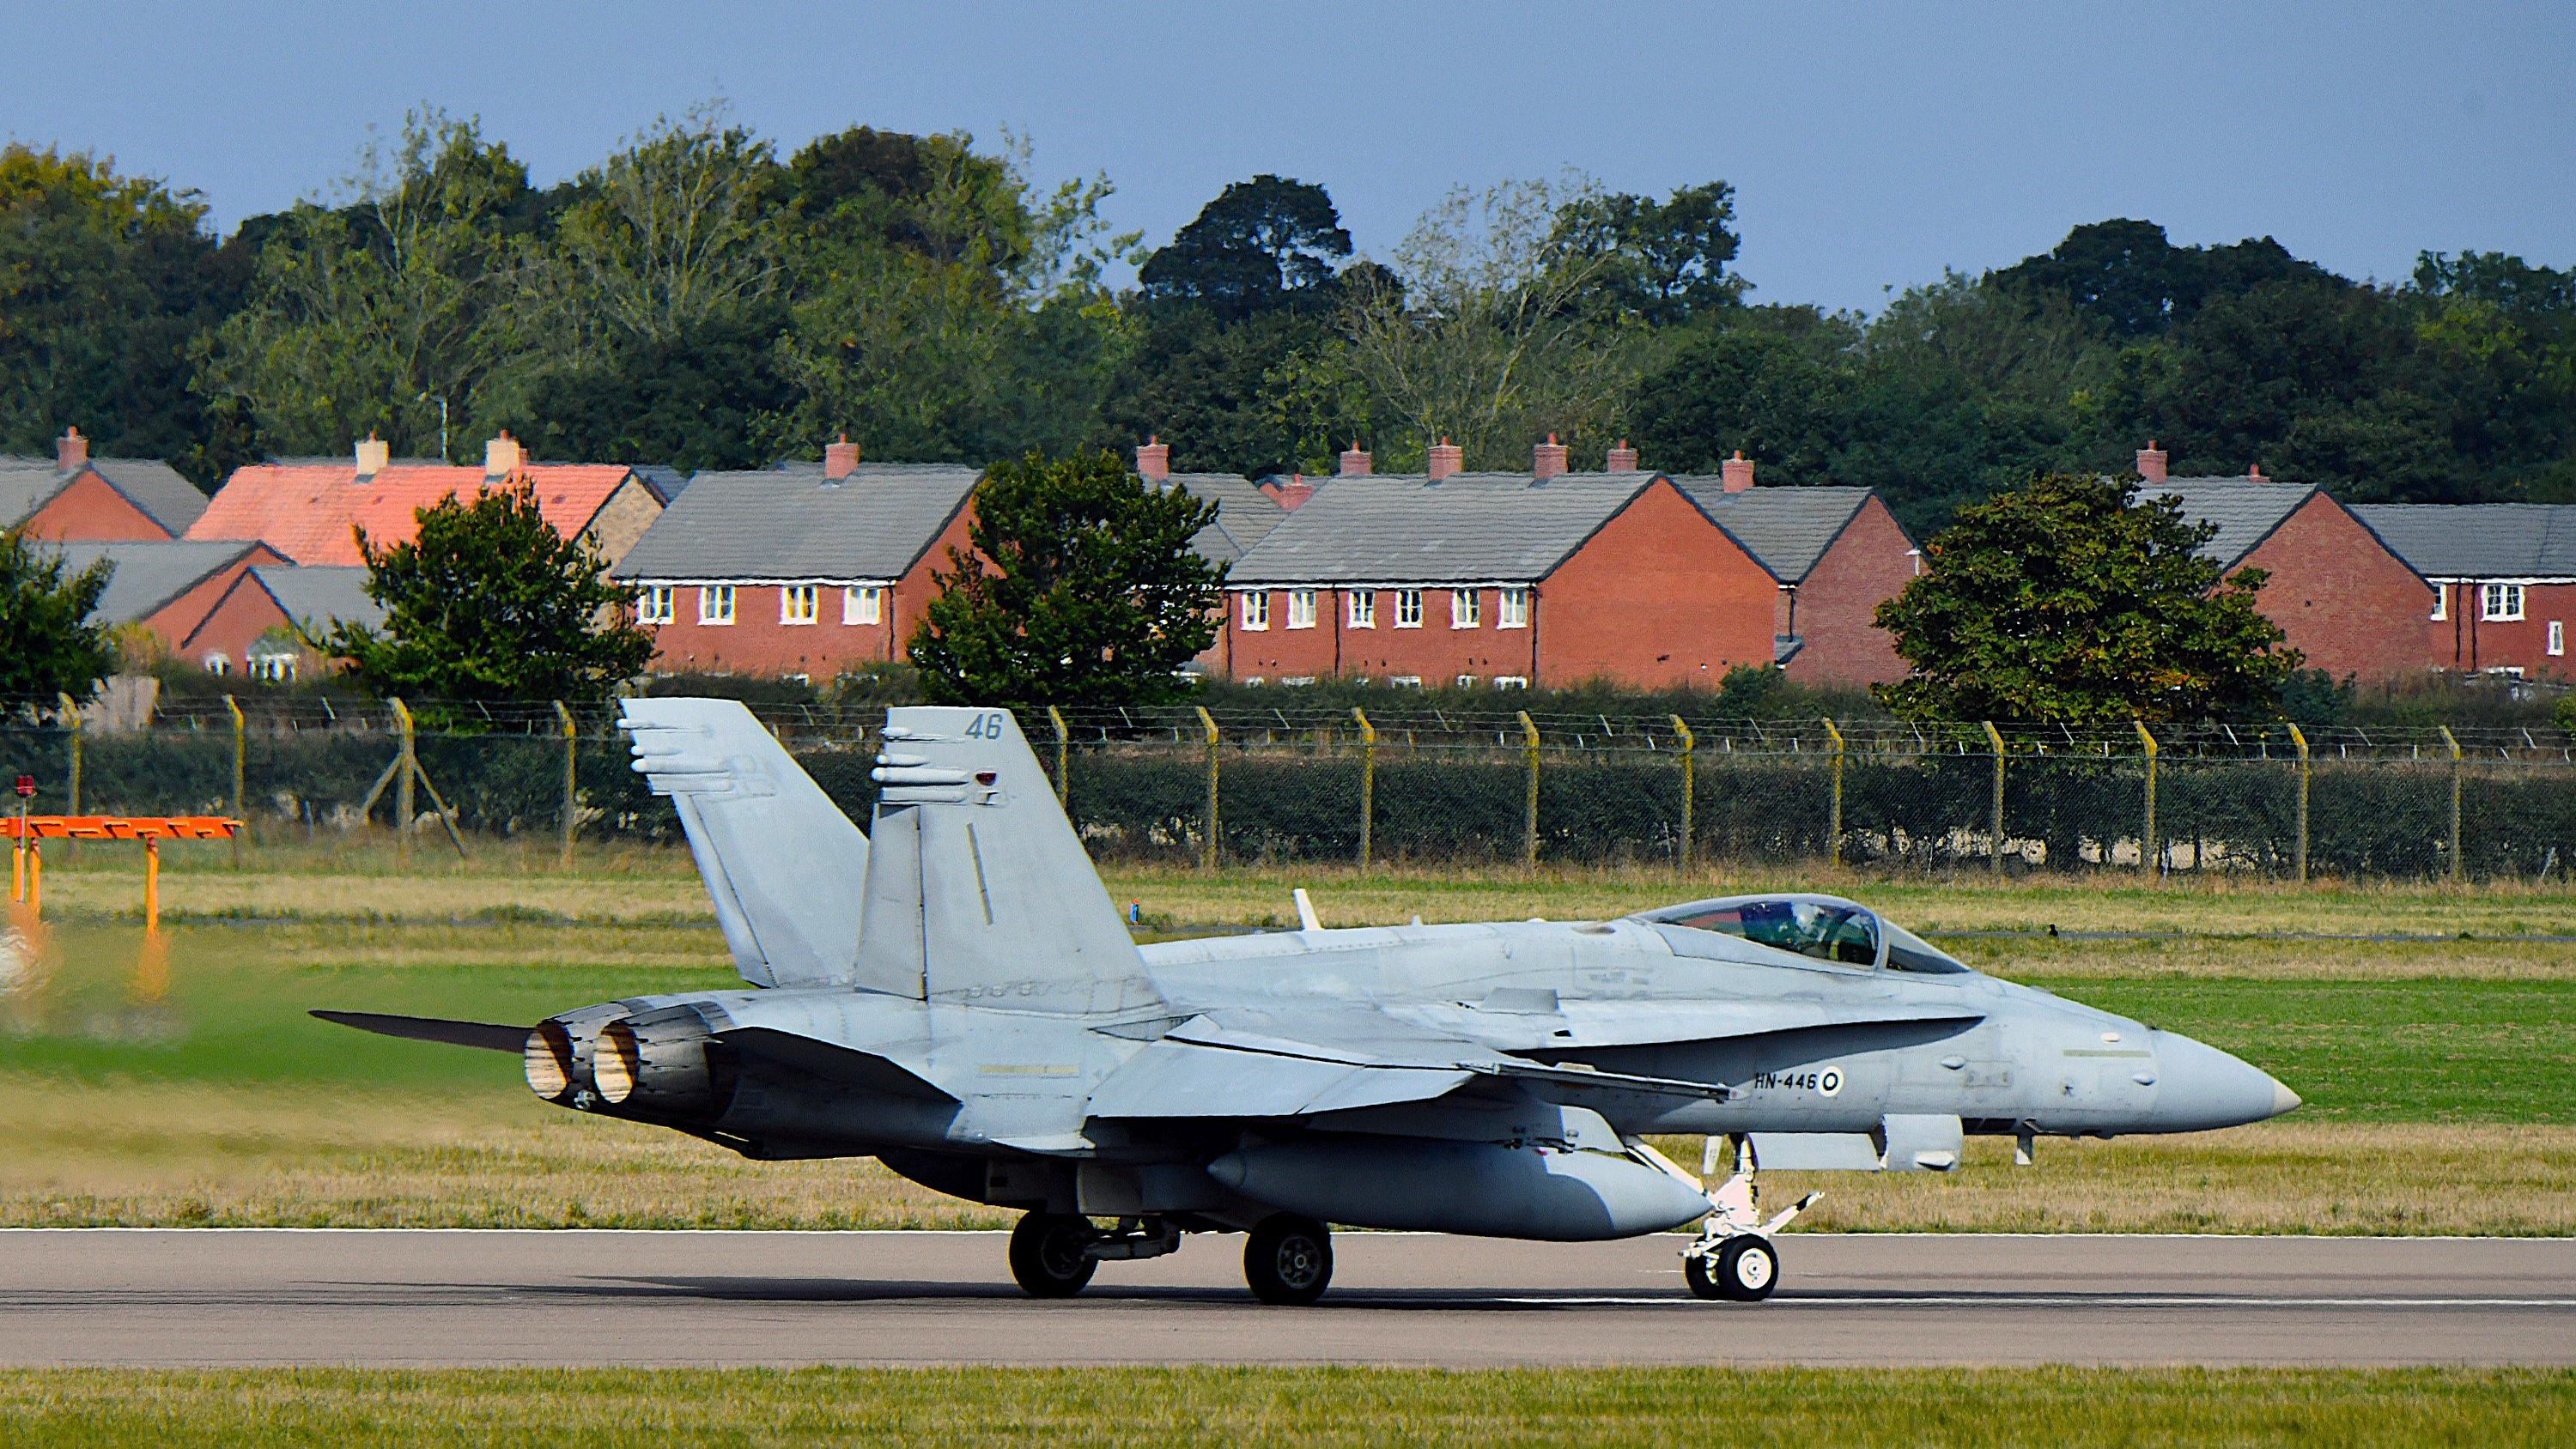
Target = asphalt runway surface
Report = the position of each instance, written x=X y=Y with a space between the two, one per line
x=251 y=1298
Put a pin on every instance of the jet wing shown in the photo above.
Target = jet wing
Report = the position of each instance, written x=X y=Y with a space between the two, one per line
x=1298 y=1063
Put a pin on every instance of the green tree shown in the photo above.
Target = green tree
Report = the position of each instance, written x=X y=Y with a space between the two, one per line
x=104 y=280
x=2070 y=601
x=1262 y=244
x=1081 y=586
x=48 y=646
x=1668 y=257
x=488 y=602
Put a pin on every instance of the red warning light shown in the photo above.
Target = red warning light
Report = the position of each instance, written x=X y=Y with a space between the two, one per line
x=26 y=787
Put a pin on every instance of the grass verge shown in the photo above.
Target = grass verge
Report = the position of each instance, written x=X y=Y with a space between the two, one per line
x=1789 y=1407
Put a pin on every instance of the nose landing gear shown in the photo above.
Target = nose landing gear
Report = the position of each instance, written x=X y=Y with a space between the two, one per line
x=1734 y=1257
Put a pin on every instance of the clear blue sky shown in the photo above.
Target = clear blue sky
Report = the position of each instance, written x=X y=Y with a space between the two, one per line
x=1870 y=144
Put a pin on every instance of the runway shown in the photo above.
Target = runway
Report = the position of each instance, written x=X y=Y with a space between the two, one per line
x=249 y=1298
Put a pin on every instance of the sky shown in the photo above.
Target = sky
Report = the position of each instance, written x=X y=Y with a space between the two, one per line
x=1870 y=145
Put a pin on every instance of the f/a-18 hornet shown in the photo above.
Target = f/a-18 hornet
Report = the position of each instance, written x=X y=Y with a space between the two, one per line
x=954 y=994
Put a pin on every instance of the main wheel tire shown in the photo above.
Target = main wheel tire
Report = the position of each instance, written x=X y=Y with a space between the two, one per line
x=1047 y=1257
x=1697 y=1273
x=1747 y=1269
x=1289 y=1260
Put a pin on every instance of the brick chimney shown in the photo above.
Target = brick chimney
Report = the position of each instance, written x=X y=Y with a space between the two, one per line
x=1154 y=458
x=71 y=451
x=1355 y=461
x=2152 y=461
x=1738 y=472
x=840 y=459
x=373 y=455
x=1622 y=459
x=502 y=456
x=2254 y=473
x=1444 y=458
x=1548 y=459
x=1290 y=494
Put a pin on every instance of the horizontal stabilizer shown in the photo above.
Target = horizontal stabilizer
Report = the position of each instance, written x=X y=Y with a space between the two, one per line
x=484 y=1034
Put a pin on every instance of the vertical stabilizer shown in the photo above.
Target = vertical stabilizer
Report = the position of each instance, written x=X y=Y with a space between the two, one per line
x=783 y=864
x=979 y=888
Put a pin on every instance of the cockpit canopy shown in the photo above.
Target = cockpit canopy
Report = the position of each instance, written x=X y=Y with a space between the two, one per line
x=1826 y=928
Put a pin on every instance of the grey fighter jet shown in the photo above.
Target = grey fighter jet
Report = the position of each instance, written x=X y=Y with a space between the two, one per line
x=954 y=994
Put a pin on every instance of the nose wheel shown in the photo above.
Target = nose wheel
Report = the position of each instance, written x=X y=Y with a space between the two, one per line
x=1744 y=1269
x=1289 y=1260
x=1734 y=1258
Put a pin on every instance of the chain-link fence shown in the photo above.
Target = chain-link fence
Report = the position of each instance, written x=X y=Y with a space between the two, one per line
x=1180 y=785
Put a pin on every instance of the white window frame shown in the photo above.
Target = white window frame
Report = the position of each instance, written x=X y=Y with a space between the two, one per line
x=863 y=604
x=1466 y=608
x=1405 y=681
x=2557 y=638
x=2441 y=602
x=271 y=668
x=1360 y=608
x=654 y=604
x=1511 y=681
x=715 y=604
x=1295 y=681
x=1256 y=610
x=1466 y=681
x=218 y=664
x=1512 y=611
x=800 y=604
x=2500 y=603
x=1301 y=608
x=1408 y=610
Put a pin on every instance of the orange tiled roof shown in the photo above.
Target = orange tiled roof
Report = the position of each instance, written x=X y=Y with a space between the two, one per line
x=306 y=510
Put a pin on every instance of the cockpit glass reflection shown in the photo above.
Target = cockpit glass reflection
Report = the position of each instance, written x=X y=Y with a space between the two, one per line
x=1827 y=931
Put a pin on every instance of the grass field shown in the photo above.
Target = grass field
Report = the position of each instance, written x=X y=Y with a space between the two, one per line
x=1697 y=1407
x=2437 y=1072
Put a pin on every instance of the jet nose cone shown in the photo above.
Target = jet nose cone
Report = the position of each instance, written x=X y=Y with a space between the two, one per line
x=2201 y=1087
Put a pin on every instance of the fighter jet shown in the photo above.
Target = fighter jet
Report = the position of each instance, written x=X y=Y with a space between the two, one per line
x=954 y=994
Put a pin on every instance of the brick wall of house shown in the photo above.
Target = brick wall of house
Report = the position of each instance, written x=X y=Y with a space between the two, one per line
x=236 y=621
x=1659 y=597
x=1437 y=653
x=1868 y=563
x=2464 y=641
x=175 y=622
x=91 y=510
x=2345 y=601
x=757 y=643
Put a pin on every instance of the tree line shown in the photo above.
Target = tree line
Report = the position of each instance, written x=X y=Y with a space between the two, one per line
x=700 y=299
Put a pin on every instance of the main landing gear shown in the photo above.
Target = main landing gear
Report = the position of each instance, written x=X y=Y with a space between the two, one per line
x=1734 y=1257
x=1053 y=1255
x=1289 y=1259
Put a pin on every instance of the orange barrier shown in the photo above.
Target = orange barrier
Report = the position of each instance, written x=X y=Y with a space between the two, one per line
x=27 y=858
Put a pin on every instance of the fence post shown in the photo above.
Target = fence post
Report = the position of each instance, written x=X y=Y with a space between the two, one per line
x=1208 y=848
x=571 y=802
x=1368 y=780
x=1529 y=826
x=241 y=767
x=2299 y=843
x=1834 y=816
x=1995 y=818
x=72 y=805
x=2147 y=834
x=1690 y=784
x=1063 y=737
x=406 y=765
x=2454 y=746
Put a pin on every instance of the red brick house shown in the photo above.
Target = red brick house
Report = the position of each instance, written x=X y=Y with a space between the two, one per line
x=252 y=628
x=101 y=500
x=2503 y=578
x=1835 y=555
x=309 y=511
x=2343 y=597
x=1508 y=579
x=166 y=585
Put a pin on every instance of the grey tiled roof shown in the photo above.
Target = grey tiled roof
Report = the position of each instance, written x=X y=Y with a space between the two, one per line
x=2478 y=540
x=1245 y=514
x=25 y=483
x=788 y=523
x=666 y=483
x=149 y=575
x=1785 y=529
x=1466 y=528
x=156 y=488
x=318 y=596
x=2246 y=510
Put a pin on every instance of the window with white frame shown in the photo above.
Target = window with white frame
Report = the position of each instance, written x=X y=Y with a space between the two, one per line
x=798 y=604
x=1511 y=681
x=219 y=664
x=653 y=604
x=1408 y=608
x=2500 y=603
x=273 y=668
x=1511 y=610
x=1363 y=608
x=715 y=604
x=2441 y=602
x=2557 y=638
x=1466 y=681
x=1405 y=681
x=1466 y=608
x=863 y=604
x=1301 y=608
x=1256 y=609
